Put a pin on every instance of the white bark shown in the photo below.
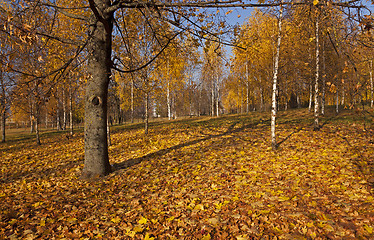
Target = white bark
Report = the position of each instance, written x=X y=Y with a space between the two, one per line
x=323 y=102
x=217 y=97
x=168 y=101
x=64 y=110
x=371 y=83
x=132 y=99
x=212 y=102
x=316 y=86
x=71 y=111
x=337 y=101
x=247 y=73
x=310 y=97
x=262 y=102
x=275 y=84
x=146 y=112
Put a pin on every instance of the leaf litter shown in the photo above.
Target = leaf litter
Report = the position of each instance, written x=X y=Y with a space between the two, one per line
x=200 y=178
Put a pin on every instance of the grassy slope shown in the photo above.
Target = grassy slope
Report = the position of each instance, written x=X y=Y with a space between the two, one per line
x=198 y=179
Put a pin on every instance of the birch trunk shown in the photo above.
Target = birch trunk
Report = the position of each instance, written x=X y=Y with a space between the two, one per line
x=32 y=120
x=3 y=121
x=371 y=84
x=310 y=97
x=64 y=114
x=212 y=102
x=274 y=144
x=217 y=97
x=46 y=116
x=146 y=113
x=2 y=108
x=316 y=86
x=71 y=112
x=132 y=99
x=337 y=100
x=323 y=102
x=168 y=101
x=58 y=120
x=37 y=129
x=247 y=73
x=96 y=161
x=108 y=131
x=262 y=102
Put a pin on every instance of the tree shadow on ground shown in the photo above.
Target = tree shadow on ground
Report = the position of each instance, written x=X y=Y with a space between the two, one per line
x=231 y=129
x=43 y=173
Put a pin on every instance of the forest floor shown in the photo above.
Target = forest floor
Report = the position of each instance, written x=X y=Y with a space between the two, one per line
x=198 y=178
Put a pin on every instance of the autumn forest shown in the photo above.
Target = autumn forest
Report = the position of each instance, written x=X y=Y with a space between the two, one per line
x=186 y=119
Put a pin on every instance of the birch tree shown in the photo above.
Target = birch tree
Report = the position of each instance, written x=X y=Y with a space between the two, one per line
x=275 y=82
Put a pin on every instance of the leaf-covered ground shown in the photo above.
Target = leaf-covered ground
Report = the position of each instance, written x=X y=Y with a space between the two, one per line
x=206 y=178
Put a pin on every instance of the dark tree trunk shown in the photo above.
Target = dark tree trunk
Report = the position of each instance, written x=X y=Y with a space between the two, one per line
x=99 y=64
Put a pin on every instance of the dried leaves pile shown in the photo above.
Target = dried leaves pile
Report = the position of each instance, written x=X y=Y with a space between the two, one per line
x=196 y=179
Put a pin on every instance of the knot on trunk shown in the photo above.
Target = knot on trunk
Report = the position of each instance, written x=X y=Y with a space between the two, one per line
x=95 y=100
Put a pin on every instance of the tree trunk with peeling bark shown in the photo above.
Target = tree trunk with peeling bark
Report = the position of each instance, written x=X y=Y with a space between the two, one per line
x=2 y=108
x=371 y=83
x=3 y=121
x=168 y=101
x=323 y=102
x=71 y=111
x=146 y=113
x=132 y=99
x=37 y=128
x=316 y=86
x=274 y=144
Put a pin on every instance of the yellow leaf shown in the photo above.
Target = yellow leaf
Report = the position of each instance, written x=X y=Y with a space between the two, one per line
x=37 y=204
x=138 y=228
x=13 y=221
x=199 y=207
x=241 y=237
x=142 y=220
x=368 y=229
x=283 y=198
x=71 y=219
x=329 y=228
x=154 y=221
x=206 y=237
x=42 y=223
x=131 y=234
x=315 y=2
x=116 y=219
x=147 y=237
